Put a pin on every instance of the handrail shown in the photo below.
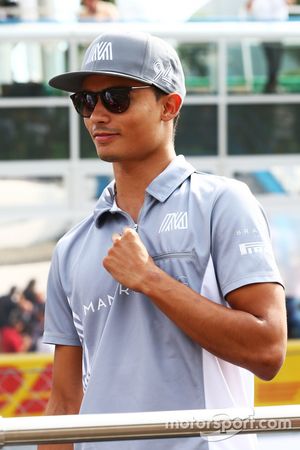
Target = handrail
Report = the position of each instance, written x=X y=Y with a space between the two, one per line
x=188 y=31
x=146 y=425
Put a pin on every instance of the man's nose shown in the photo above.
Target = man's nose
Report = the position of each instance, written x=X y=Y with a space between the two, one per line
x=100 y=113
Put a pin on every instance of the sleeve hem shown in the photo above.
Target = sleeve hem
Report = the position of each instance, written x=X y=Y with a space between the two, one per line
x=60 y=340
x=250 y=280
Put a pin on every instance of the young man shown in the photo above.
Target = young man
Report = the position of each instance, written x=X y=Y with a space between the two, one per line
x=167 y=296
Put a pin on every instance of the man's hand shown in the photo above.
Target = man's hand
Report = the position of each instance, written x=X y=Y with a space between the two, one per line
x=128 y=260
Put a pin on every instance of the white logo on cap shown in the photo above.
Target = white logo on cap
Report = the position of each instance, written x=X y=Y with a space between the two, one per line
x=102 y=51
x=164 y=73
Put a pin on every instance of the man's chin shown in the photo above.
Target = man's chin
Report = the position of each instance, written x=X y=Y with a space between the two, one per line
x=107 y=157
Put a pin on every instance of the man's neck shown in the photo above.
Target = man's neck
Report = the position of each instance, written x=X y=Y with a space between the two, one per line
x=132 y=180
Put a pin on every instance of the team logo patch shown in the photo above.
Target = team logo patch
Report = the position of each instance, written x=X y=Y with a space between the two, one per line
x=249 y=248
x=174 y=221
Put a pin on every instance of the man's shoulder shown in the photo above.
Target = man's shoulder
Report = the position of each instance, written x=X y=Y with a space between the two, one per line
x=218 y=185
x=76 y=233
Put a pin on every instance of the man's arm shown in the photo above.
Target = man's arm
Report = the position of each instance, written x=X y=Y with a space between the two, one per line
x=251 y=334
x=66 y=393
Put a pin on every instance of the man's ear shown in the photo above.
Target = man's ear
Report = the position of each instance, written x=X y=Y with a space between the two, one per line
x=170 y=106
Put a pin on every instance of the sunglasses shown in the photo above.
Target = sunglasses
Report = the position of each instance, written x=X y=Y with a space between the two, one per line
x=115 y=99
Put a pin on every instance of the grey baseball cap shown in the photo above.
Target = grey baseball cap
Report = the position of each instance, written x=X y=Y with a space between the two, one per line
x=136 y=55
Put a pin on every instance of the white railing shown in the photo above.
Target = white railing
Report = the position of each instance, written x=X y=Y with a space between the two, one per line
x=146 y=425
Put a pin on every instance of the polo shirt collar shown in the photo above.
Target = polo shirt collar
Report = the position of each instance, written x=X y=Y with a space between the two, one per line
x=169 y=179
x=106 y=202
x=160 y=188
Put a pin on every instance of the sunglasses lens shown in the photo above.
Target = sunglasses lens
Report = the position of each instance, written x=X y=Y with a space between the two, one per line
x=89 y=103
x=84 y=103
x=116 y=100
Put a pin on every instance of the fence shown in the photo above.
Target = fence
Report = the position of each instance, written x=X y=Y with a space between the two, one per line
x=25 y=383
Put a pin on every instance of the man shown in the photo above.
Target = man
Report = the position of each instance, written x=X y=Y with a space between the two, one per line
x=167 y=296
x=270 y=10
x=98 y=10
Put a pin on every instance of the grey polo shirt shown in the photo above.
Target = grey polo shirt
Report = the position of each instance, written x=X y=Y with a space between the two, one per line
x=206 y=231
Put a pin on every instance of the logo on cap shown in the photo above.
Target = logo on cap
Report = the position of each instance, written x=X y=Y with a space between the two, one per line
x=101 y=52
x=162 y=72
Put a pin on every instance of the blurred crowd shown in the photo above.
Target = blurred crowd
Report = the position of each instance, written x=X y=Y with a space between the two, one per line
x=22 y=319
x=94 y=10
x=98 y=10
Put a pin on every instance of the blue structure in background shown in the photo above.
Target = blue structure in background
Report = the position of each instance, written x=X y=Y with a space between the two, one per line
x=101 y=182
x=268 y=182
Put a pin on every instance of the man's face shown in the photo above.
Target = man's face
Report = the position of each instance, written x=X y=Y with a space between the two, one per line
x=131 y=135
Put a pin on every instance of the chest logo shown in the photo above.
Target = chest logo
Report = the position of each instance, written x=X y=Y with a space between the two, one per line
x=174 y=221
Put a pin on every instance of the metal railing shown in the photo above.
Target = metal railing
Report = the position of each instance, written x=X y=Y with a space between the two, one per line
x=147 y=425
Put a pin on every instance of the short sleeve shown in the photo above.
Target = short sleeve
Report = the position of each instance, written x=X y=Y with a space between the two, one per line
x=59 y=325
x=241 y=246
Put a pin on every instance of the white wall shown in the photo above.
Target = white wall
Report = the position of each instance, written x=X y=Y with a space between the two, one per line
x=225 y=8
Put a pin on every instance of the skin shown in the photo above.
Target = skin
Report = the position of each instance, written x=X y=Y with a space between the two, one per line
x=97 y=9
x=66 y=392
x=249 y=3
x=139 y=143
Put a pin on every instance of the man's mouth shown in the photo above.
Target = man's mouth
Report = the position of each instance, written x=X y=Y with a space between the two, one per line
x=103 y=137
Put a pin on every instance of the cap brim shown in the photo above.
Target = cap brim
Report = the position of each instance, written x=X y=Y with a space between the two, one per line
x=73 y=81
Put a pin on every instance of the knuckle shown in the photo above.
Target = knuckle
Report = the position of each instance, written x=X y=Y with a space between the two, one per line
x=117 y=244
x=127 y=232
x=105 y=262
x=110 y=253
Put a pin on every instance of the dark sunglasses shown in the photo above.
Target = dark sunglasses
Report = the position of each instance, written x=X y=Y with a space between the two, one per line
x=115 y=99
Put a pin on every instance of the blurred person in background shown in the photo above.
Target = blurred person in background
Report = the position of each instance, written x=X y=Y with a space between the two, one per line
x=273 y=10
x=14 y=301
x=14 y=338
x=31 y=302
x=32 y=316
x=31 y=294
x=293 y=316
x=98 y=10
x=167 y=296
x=9 y=303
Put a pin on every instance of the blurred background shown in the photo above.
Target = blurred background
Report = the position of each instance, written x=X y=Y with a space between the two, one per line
x=240 y=119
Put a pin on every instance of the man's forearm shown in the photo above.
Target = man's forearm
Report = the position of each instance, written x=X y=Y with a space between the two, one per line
x=59 y=408
x=236 y=336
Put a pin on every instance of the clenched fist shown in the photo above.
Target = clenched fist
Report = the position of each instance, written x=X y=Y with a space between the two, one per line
x=128 y=260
